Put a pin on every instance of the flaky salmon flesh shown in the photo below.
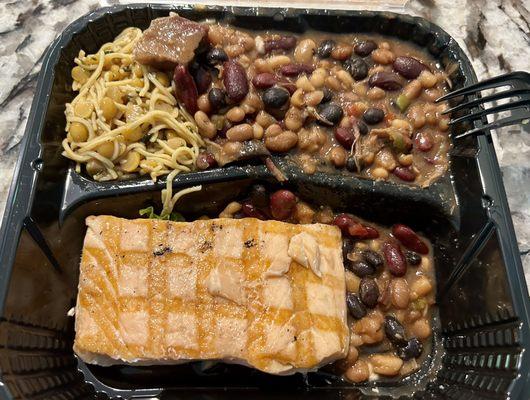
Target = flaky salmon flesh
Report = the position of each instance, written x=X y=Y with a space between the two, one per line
x=266 y=294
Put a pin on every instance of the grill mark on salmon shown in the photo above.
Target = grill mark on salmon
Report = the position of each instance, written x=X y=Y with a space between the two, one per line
x=165 y=309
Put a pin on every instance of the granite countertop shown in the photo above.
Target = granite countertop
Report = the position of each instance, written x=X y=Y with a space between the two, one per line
x=494 y=34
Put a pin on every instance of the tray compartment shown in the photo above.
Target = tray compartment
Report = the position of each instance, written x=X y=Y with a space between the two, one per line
x=481 y=336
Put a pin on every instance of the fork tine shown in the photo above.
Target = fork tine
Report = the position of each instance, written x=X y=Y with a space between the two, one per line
x=492 y=97
x=512 y=120
x=492 y=110
x=477 y=87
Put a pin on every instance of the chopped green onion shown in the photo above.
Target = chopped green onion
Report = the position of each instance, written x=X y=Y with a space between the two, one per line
x=149 y=212
x=402 y=102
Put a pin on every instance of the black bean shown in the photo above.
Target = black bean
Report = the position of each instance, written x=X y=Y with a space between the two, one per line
x=347 y=247
x=373 y=115
x=365 y=47
x=331 y=112
x=275 y=97
x=328 y=95
x=355 y=307
x=325 y=48
x=412 y=349
x=360 y=268
x=363 y=128
x=259 y=196
x=357 y=67
x=350 y=164
x=373 y=258
x=394 y=331
x=413 y=258
x=216 y=56
x=203 y=79
x=368 y=292
x=217 y=98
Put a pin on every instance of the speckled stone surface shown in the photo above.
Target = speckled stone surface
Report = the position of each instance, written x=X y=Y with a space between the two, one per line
x=494 y=33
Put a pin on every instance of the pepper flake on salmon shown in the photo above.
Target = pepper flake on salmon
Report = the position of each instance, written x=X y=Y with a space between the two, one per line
x=257 y=293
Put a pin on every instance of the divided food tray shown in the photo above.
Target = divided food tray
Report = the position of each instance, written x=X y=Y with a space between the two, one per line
x=481 y=341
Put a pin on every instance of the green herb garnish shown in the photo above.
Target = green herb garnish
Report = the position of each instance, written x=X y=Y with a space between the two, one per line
x=149 y=212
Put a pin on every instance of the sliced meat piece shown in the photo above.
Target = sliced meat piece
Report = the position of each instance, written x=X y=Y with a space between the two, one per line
x=154 y=292
x=249 y=149
x=169 y=41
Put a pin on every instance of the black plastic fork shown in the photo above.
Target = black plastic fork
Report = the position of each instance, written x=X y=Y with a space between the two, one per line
x=519 y=92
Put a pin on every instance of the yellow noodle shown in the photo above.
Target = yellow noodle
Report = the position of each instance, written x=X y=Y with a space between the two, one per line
x=158 y=110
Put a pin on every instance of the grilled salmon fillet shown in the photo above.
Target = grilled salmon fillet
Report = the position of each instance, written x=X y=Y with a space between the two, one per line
x=266 y=294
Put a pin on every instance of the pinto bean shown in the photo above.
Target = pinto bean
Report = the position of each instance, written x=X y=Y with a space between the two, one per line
x=386 y=364
x=206 y=127
x=399 y=293
x=304 y=51
x=282 y=142
x=240 y=133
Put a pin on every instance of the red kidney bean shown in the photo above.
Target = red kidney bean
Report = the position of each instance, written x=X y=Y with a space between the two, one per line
x=203 y=79
x=372 y=233
x=235 y=80
x=345 y=137
x=395 y=260
x=385 y=80
x=282 y=43
x=296 y=69
x=365 y=47
x=249 y=210
x=404 y=173
x=358 y=231
x=282 y=203
x=423 y=141
x=264 y=80
x=408 y=67
x=343 y=221
x=368 y=292
x=186 y=89
x=409 y=239
x=205 y=160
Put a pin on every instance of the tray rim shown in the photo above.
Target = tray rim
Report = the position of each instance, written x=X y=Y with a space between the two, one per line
x=22 y=190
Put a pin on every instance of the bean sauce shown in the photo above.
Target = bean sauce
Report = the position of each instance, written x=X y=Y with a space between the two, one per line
x=389 y=305
x=379 y=91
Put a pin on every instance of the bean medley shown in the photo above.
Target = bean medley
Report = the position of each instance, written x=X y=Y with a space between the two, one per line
x=389 y=281
x=345 y=103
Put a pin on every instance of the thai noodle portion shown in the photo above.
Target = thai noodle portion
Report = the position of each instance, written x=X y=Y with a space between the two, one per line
x=125 y=119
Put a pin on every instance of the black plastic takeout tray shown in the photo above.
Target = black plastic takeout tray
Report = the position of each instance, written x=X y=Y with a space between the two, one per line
x=482 y=337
